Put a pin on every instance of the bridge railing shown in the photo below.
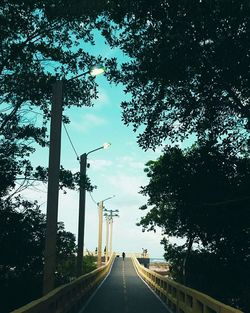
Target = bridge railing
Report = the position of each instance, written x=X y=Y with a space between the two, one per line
x=71 y=297
x=177 y=297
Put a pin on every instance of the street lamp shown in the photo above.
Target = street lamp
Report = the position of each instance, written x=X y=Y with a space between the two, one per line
x=53 y=183
x=99 y=248
x=82 y=200
x=94 y=71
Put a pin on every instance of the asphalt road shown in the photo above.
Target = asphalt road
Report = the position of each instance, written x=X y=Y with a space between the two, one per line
x=124 y=292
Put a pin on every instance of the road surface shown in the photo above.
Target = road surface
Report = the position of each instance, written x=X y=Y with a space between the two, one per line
x=124 y=292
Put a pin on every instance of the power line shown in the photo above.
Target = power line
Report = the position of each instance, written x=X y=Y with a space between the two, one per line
x=66 y=134
x=71 y=141
x=92 y=198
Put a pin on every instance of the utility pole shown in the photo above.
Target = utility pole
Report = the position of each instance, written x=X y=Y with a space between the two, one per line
x=53 y=179
x=109 y=216
x=82 y=200
x=99 y=248
x=111 y=235
x=81 y=220
x=107 y=239
x=53 y=188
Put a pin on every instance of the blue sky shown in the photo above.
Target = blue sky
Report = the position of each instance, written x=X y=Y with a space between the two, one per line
x=117 y=171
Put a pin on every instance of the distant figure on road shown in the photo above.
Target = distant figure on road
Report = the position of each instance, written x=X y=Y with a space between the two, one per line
x=123 y=255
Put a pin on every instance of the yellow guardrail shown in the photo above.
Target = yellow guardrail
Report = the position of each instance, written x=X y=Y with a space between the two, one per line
x=177 y=297
x=70 y=297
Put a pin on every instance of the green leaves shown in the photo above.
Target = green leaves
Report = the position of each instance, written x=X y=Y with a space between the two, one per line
x=201 y=195
x=22 y=239
x=189 y=69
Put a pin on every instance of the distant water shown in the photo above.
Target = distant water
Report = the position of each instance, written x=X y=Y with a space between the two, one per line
x=157 y=260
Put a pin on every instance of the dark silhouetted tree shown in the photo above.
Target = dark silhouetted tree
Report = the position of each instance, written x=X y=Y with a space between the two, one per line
x=188 y=70
x=201 y=195
x=22 y=240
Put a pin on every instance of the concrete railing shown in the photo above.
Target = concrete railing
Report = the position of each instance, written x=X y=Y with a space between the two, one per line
x=178 y=298
x=71 y=297
x=137 y=255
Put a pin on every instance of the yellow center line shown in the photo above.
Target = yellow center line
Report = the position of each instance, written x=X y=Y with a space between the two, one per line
x=124 y=288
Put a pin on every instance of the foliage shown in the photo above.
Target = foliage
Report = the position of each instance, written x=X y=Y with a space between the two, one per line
x=89 y=263
x=41 y=42
x=219 y=274
x=188 y=70
x=201 y=195
x=22 y=240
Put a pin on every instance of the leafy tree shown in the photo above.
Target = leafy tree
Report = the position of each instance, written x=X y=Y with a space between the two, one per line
x=201 y=195
x=188 y=70
x=22 y=240
x=222 y=276
x=40 y=42
x=89 y=263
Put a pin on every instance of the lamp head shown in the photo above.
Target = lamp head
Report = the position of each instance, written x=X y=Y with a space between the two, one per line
x=106 y=145
x=97 y=70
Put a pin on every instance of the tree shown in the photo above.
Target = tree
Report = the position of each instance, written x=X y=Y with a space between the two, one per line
x=201 y=195
x=188 y=71
x=22 y=240
x=40 y=43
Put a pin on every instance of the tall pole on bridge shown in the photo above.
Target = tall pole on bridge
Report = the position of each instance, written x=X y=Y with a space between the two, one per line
x=53 y=179
x=109 y=214
x=107 y=238
x=99 y=247
x=82 y=200
x=53 y=188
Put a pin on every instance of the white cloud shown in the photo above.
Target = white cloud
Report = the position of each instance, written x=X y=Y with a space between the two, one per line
x=88 y=121
x=102 y=97
x=99 y=164
x=128 y=161
x=126 y=185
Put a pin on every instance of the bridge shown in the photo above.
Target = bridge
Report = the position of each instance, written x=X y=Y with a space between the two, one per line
x=125 y=286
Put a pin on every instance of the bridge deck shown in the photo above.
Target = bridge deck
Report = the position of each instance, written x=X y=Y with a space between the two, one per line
x=124 y=292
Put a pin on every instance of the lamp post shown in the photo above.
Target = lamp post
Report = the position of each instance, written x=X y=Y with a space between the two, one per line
x=109 y=214
x=53 y=187
x=53 y=180
x=82 y=200
x=99 y=247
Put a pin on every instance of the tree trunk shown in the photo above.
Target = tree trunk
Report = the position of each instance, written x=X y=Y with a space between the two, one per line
x=190 y=241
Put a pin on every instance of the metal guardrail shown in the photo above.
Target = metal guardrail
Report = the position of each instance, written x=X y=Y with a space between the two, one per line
x=177 y=297
x=68 y=298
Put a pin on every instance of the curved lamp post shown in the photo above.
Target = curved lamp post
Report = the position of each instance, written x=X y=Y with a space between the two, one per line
x=82 y=200
x=53 y=180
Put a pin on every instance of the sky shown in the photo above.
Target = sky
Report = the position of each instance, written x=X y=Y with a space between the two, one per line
x=116 y=171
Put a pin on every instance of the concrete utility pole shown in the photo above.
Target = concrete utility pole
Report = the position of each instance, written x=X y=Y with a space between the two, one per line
x=53 y=179
x=53 y=188
x=81 y=220
x=82 y=204
x=111 y=236
x=107 y=239
x=109 y=214
x=99 y=248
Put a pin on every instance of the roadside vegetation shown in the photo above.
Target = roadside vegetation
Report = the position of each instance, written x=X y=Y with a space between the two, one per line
x=187 y=70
